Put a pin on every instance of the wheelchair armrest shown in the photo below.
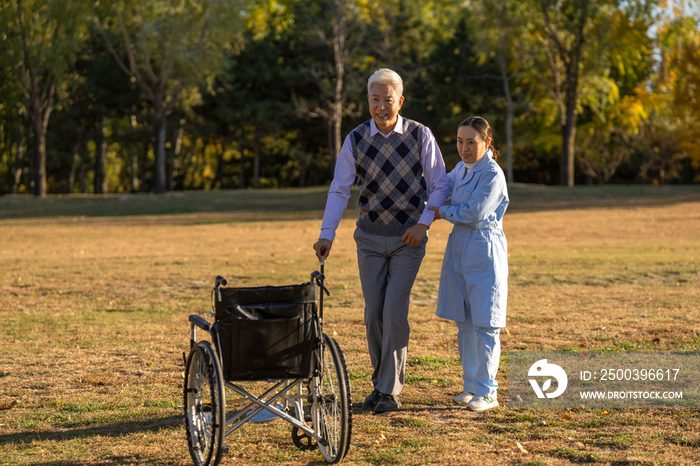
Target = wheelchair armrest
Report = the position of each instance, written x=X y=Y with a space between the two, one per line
x=199 y=322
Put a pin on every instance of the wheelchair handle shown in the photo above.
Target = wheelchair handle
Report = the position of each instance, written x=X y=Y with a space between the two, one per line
x=220 y=281
x=323 y=259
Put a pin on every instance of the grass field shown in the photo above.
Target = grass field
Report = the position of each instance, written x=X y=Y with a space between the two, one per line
x=95 y=294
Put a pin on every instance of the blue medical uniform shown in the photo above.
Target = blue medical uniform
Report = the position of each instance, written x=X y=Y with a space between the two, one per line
x=474 y=278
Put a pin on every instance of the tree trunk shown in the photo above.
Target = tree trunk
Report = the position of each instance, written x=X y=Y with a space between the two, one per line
x=38 y=103
x=70 y=182
x=510 y=113
x=39 y=111
x=241 y=174
x=134 y=160
x=256 y=164
x=568 y=135
x=82 y=169
x=339 y=31
x=76 y=162
x=172 y=166
x=142 y=166
x=18 y=164
x=159 y=148
x=337 y=141
x=39 y=157
x=219 y=175
x=134 y=172
x=169 y=173
x=160 y=127
x=568 y=130
x=331 y=148
x=302 y=169
x=101 y=158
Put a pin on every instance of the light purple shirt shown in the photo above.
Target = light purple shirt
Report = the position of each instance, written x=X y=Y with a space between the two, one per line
x=346 y=171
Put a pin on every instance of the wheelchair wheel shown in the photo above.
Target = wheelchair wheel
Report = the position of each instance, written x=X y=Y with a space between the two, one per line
x=334 y=418
x=205 y=405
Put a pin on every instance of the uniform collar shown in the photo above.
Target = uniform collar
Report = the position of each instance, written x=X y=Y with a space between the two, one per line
x=482 y=162
x=398 y=128
x=480 y=165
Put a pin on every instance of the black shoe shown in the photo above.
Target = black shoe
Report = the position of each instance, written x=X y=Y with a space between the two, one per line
x=371 y=401
x=387 y=404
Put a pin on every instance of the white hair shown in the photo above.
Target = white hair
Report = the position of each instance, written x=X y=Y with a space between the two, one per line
x=387 y=77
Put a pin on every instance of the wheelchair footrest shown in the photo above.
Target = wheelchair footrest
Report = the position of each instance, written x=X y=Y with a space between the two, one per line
x=265 y=415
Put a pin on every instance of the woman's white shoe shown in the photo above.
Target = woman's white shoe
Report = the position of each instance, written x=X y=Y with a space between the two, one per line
x=463 y=398
x=481 y=403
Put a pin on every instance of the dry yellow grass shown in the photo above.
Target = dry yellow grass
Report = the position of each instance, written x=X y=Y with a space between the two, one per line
x=94 y=325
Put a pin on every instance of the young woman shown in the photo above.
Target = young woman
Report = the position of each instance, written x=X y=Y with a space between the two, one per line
x=474 y=278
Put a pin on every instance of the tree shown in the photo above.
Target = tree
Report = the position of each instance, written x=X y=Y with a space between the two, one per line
x=248 y=108
x=569 y=32
x=452 y=84
x=100 y=103
x=170 y=45
x=608 y=141
x=503 y=34
x=674 y=140
x=340 y=26
x=41 y=38
x=12 y=134
x=686 y=90
x=616 y=106
x=406 y=32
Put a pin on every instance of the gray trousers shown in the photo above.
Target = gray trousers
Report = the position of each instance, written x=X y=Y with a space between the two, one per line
x=388 y=269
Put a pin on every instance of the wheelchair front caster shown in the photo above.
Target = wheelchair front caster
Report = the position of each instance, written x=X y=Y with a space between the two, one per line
x=302 y=441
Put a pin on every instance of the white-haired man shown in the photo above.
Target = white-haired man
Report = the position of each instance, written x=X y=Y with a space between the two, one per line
x=399 y=168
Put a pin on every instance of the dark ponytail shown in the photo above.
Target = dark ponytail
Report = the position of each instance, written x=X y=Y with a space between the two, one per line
x=484 y=129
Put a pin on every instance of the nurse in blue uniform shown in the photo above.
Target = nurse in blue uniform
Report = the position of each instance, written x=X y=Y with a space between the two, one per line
x=474 y=278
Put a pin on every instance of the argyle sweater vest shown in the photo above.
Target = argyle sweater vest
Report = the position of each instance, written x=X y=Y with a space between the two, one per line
x=393 y=191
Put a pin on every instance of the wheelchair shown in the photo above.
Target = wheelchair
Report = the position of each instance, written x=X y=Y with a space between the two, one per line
x=272 y=334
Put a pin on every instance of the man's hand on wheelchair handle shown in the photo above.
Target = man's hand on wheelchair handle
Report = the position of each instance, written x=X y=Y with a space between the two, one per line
x=323 y=248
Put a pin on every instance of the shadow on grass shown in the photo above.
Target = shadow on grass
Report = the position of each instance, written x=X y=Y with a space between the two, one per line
x=115 y=460
x=118 y=429
x=138 y=459
x=357 y=409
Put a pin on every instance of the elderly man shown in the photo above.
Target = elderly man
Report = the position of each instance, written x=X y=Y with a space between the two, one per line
x=399 y=168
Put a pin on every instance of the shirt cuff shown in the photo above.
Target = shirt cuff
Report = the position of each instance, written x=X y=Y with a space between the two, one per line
x=427 y=217
x=444 y=212
x=327 y=234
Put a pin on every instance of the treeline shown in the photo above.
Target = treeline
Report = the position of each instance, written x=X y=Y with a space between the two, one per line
x=158 y=95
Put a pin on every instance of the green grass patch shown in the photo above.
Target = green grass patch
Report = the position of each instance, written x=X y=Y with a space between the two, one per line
x=682 y=440
x=413 y=421
x=579 y=456
x=431 y=362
